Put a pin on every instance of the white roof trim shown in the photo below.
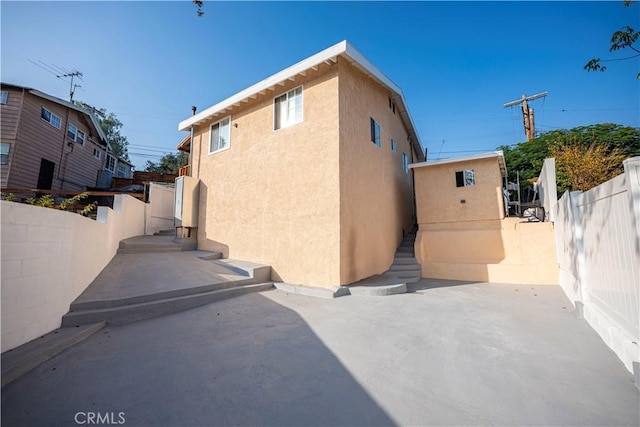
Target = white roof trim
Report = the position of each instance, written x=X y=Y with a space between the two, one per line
x=499 y=154
x=344 y=49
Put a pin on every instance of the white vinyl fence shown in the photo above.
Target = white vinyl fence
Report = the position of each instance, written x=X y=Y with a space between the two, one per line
x=547 y=188
x=598 y=243
x=159 y=214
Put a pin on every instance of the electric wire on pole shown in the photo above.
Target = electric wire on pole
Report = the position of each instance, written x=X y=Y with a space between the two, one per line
x=527 y=113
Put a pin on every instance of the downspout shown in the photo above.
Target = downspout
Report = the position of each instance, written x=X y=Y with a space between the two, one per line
x=193 y=113
x=62 y=152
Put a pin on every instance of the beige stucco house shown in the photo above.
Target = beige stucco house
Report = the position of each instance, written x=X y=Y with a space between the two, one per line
x=307 y=170
x=463 y=233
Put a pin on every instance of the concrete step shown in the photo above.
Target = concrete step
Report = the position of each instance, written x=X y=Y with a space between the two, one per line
x=169 y=232
x=159 y=296
x=22 y=359
x=408 y=277
x=405 y=249
x=405 y=260
x=156 y=244
x=405 y=267
x=404 y=254
x=148 y=249
x=147 y=310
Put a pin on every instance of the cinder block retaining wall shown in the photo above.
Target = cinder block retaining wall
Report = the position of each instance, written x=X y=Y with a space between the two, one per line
x=49 y=257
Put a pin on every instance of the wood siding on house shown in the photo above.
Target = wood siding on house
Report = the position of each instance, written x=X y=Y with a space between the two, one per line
x=35 y=139
x=9 y=118
x=79 y=168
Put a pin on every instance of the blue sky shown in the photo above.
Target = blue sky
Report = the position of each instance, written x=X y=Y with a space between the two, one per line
x=457 y=62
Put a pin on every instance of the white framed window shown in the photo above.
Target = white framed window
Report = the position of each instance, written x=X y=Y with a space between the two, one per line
x=4 y=97
x=375 y=133
x=72 y=131
x=80 y=137
x=465 y=178
x=4 y=153
x=111 y=164
x=220 y=138
x=50 y=118
x=405 y=163
x=393 y=145
x=287 y=109
x=96 y=153
x=121 y=170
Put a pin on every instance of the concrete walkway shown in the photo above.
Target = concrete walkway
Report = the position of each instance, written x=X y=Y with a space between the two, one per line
x=447 y=353
x=135 y=275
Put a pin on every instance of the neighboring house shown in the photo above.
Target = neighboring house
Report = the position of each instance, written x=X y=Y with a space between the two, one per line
x=185 y=147
x=307 y=170
x=48 y=143
x=463 y=233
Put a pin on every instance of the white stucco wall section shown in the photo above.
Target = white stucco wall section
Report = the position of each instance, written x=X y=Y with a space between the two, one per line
x=49 y=257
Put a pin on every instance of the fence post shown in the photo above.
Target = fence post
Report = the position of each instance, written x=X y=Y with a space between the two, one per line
x=632 y=177
x=578 y=232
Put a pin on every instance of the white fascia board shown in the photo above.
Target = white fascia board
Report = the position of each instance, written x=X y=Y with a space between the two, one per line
x=64 y=103
x=318 y=58
x=344 y=49
x=499 y=154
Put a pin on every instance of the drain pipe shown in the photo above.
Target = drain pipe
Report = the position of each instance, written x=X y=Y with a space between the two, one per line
x=193 y=113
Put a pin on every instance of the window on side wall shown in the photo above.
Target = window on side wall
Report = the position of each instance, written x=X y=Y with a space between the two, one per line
x=4 y=97
x=375 y=132
x=72 y=131
x=96 y=153
x=287 y=109
x=111 y=164
x=4 y=153
x=393 y=145
x=220 y=135
x=80 y=137
x=405 y=163
x=465 y=178
x=50 y=118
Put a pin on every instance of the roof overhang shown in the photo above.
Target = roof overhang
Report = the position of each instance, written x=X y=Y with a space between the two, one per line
x=343 y=49
x=489 y=155
x=94 y=120
x=185 y=144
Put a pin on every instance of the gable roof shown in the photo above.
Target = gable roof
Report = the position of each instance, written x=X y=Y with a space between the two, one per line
x=343 y=49
x=499 y=154
x=94 y=120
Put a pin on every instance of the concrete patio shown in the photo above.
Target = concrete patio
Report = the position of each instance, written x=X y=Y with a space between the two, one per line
x=447 y=353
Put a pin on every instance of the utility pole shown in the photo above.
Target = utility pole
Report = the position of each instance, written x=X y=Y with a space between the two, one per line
x=72 y=87
x=527 y=113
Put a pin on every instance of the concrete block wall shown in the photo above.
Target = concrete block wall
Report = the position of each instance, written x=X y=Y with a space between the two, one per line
x=49 y=257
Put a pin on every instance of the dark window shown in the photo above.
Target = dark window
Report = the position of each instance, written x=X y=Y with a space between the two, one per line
x=375 y=133
x=465 y=178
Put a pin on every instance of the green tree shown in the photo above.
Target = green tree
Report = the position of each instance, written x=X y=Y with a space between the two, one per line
x=620 y=40
x=527 y=157
x=169 y=163
x=111 y=127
